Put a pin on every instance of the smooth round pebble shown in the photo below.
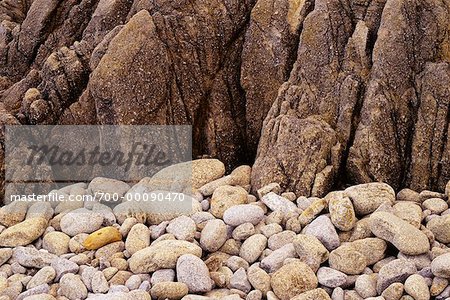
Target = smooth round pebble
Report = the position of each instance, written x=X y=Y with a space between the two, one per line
x=330 y=277
x=417 y=287
x=81 y=220
x=245 y=213
x=213 y=235
x=192 y=271
x=435 y=205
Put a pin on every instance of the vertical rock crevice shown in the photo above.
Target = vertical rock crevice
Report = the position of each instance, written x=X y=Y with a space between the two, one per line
x=384 y=144
x=325 y=85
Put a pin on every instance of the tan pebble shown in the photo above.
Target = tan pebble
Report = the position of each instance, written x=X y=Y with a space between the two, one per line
x=271 y=187
x=225 y=197
x=342 y=213
x=222 y=277
x=294 y=225
x=13 y=213
x=440 y=266
x=163 y=254
x=408 y=195
x=72 y=287
x=138 y=238
x=361 y=230
x=435 y=205
x=312 y=211
x=352 y=295
x=293 y=279
x=316 y=294
x=373 y=249
x=214 y=235
x=289 y=195
x=214 y=263
x=254 y=295
x=110 y=272
x=169 y=290
x=366 y=198
x=243 y=231
x=5 y=255
x=377 y=267
x=438 y=285
x=126 y=226
x=259 y=278
x=231 y=247
x=275 y=217
x=424 y=195
x=119 y=263
x=366 y=285
x=417 y=287
x=393 y=292
x=310 y=250
x=404 y=236
x=44 y=275
x=241 y=175
x=23 y=233
x=253 y=247
x=348 y=260
x=271 y=229
x=76 y=243
x=409 y=211
x=119 y=278
x=80 y=259
x=440 y=226
x=3 y=284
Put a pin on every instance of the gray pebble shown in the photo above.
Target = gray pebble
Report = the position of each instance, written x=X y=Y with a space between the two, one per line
x=81 y=220
x=192 y=271
x=244 y=213
x=275 y=260
x=324 y=231
x=99 y=283
x=163 y=275
x=240 y=281
x=278 y=203
x=64 y=266
x=396 y=271
x=330 y=277
x=71 y=287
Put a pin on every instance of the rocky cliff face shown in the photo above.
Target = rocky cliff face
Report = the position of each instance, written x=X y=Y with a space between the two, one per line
x=318 y=93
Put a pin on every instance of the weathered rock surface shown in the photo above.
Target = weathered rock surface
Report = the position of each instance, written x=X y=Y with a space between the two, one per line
x=356 y=117
x=253 y=80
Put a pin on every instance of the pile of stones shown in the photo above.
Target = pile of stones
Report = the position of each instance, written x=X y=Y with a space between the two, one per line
x=364 y=242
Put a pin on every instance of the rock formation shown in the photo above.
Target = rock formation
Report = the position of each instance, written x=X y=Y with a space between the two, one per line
x=316 y=93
